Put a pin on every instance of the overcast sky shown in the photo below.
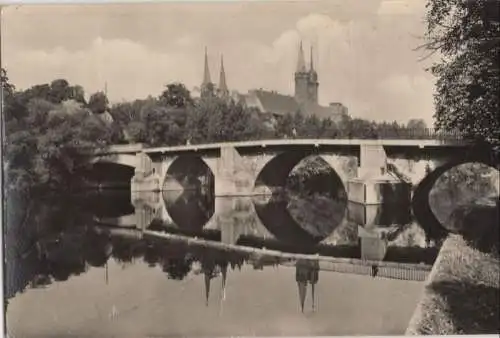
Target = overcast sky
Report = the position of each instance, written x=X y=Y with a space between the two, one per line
x=364 y=50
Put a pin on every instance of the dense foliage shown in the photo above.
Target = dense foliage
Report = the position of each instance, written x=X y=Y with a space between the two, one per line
x=48 y=131
x=466 y=34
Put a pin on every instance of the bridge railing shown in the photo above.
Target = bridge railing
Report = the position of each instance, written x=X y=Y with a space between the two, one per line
x=379 y=133
x=114 y=148
x=405 y=134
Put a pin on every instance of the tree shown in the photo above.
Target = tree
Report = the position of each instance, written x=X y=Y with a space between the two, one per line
x=298 y=124
x=45 y=147
x=467 y=35
x=8 y=88
x=329 y=129
x=98 y=103
x=359 y=128
x=177 y=268
x=284 y=126
x=8 y=92
x=176 y=95
x=160 y=126
x=417 y=128
x=59 y=91
x=417 y=124
x=78 y=94
x=219 y=119
x=312 y=127
x=196 y=123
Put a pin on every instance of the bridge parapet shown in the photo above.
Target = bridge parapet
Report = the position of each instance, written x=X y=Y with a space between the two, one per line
x=273 y=143
x=120 y=149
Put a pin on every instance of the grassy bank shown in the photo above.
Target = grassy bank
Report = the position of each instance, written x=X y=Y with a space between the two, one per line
x=462 y=293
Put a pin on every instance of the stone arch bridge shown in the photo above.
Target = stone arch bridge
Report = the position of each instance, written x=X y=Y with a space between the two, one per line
x=379 y=176
x=373 y=172
x=247 y=168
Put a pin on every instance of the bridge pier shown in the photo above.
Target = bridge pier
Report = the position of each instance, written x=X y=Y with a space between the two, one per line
x=228 y=218
x=146 y=176
x=377 y=200
x=235 y=175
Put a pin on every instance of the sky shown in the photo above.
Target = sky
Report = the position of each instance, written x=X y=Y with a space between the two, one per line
x=364 y=51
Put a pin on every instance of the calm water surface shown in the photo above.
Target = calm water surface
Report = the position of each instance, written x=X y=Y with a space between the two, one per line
x=75 y=266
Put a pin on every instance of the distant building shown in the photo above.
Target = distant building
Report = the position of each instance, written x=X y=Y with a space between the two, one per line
x=304 y=100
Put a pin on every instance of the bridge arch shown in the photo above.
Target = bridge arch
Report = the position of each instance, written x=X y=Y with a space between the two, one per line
x=434 y=225
x=277 y=220
x=275 y=214
x=276 y=170
x=189 y=210
x=187 y=172
x=121 y=159
x=111 y=171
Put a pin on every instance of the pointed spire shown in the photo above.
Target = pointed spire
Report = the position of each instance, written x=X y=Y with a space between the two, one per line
x=107 y=274
x=222 y=79
x=302 y=293
x=313 y=299
x=224 y=278
x=313 y=279
x=208 y=278
x=312 y=63
x=301 y=63
x=206 y=73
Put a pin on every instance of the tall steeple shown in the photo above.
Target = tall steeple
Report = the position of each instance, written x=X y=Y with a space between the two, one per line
x=301 y=277
x=313 y=81
x=313 y=297
x=301 y=78
x=311 y=62
x=223 y=269
x=206 y=73
x=301 y=63
x=302 y=293
x=222 y=80
x=313 y=279
x=207 y=86
x=208 y=279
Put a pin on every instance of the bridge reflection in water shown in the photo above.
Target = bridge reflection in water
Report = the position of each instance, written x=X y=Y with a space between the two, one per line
x=78 y=249
x=287 y=223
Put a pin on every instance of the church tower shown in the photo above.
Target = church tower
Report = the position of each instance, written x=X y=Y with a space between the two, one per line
x=206 y=86
x=313 y=82
x=223 y=91
x=306 y=81
x=301 y=78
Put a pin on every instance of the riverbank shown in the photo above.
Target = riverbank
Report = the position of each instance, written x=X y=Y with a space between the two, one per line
x=461 y=295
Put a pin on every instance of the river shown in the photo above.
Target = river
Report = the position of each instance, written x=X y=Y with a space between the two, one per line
x=80 y=265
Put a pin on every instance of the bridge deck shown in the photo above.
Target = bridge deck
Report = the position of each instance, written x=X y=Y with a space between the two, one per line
x=311 y=142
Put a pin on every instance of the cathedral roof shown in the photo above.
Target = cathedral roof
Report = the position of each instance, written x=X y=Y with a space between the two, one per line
x=276 y=103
